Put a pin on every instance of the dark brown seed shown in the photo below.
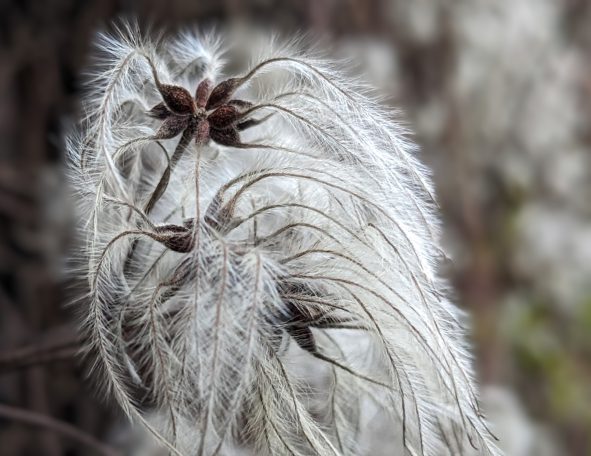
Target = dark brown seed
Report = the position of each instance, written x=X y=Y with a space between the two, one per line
x=223 y=117
x=175 y=237
x=160 y=111
x=177 y=99
x=181 y=243
x=169 y=228
x=202 y=133
x=202 y=93
x=222 y=92
x=229 y=137
x=171 y=127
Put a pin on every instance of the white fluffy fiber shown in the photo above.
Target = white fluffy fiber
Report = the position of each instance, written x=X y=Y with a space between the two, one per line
x=325 y=210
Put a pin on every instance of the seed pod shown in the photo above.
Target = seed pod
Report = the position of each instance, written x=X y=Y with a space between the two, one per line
x=175 y=237
x=177 y=99
x=202 y=93
x=223 y=117
x=170 y=228
x=160 y=111
x=223 y=92
x=181 y=243
x=228 y=137
x=171 y=127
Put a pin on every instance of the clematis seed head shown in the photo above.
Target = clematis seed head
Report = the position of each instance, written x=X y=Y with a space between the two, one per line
x=220 y=271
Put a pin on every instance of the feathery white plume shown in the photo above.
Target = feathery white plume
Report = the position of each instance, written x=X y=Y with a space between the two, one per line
x=239 y=230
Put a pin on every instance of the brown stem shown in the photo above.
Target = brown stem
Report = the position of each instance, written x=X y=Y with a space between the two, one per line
x=58 y=345
x=66 y=430
x=24 y=359
x=176 y=156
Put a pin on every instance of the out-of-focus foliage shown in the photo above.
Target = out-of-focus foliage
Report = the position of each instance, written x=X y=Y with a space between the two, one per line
x=506 y=123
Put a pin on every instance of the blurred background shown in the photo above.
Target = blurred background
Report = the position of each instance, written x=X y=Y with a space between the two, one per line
x=498 y=93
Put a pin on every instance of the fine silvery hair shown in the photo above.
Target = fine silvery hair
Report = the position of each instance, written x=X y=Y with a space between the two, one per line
x=261 y=255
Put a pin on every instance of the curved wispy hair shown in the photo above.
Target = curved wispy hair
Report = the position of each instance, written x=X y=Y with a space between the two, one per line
x=236 y=232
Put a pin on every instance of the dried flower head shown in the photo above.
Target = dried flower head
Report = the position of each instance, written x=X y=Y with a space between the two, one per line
x=263 y=227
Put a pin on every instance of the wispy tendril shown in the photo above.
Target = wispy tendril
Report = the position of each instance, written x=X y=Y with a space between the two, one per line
x=234 y=236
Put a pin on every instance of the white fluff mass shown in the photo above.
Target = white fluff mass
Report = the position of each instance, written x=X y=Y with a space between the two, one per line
x=308 y=300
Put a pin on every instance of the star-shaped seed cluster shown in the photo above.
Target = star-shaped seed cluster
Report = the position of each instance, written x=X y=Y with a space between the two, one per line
x=211 y=115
